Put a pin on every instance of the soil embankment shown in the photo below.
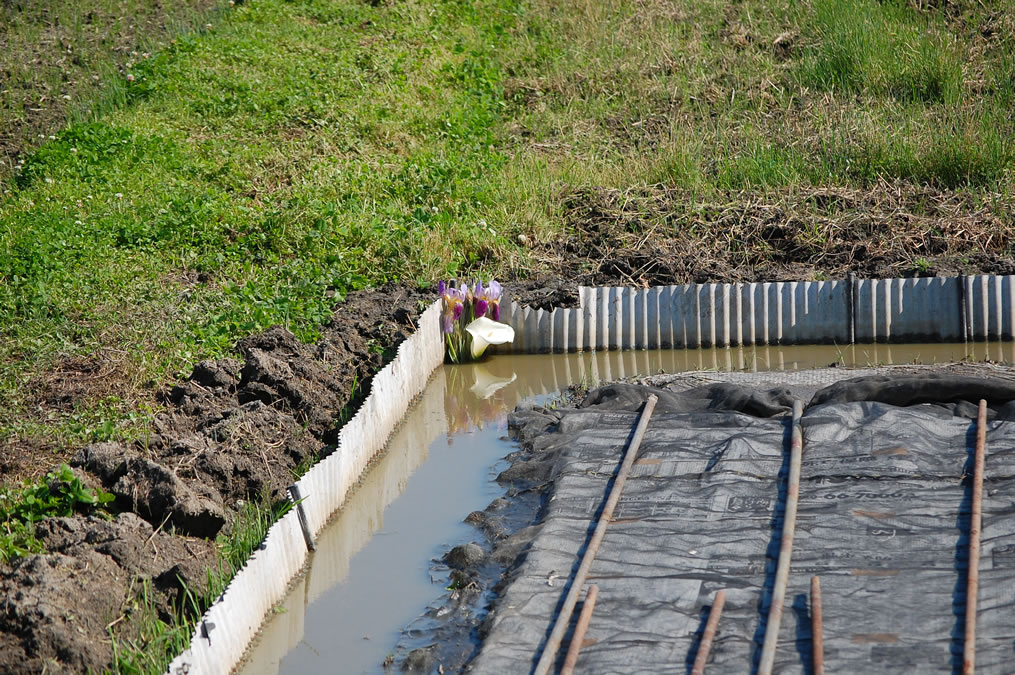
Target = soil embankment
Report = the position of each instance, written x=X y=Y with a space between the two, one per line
x=236 y=430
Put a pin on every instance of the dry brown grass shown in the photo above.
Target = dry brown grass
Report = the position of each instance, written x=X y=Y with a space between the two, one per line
x=659 y=235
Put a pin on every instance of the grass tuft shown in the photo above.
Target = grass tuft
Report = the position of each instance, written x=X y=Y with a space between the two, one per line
x=885 y=49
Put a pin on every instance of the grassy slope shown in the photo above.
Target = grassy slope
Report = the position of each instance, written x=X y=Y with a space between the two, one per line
x=59 y=60
x=254 y=172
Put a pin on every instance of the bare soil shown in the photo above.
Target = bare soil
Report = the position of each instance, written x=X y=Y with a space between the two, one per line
x=235 y=430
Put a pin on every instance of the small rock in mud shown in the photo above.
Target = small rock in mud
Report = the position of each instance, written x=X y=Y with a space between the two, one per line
x=465 y=556
x=532 y=471
x=507 y=550
x=498 y=504
x=419 y=660
x=489 y=525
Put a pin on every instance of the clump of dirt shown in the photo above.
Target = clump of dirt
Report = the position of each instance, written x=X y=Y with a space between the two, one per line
x=658 y=235
x=56 y=607
x=236 y=430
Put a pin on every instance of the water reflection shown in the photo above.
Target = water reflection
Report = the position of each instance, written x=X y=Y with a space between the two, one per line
x=369 y=577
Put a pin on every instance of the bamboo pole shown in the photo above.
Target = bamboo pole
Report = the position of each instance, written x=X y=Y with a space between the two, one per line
x=711 y=626
x=579 y=631
x=817 y=629
x=785 y=547
x=549 y=655
x=975 y=523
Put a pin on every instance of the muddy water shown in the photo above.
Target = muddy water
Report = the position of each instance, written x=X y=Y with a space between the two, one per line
x=371 y=574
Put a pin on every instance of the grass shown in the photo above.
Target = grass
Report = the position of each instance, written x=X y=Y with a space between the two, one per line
x=885 y=49
x=64 y=60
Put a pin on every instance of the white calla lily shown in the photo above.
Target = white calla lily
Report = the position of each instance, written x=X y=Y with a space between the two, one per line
x=486 y=332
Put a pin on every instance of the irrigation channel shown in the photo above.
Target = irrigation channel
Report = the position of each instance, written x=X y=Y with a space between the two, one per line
x=376 y=570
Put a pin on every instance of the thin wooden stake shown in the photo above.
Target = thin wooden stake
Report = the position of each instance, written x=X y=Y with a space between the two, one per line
x=579 y=631
x=817 y=630
x=975 y=523
x=701 y=658
x=785 y=547
x=549 y=655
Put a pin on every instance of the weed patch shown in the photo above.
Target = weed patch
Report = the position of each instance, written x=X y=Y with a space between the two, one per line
x=59 y=493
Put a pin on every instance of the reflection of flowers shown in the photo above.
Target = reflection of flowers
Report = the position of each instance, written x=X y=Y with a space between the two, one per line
x=487 y=384
x=474 y=398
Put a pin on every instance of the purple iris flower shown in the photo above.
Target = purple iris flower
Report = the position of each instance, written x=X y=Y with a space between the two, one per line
x=454 y=305
x=488 y=300
x=493 y=292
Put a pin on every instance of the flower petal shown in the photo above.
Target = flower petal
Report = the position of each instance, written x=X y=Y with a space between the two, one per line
x=486 y=332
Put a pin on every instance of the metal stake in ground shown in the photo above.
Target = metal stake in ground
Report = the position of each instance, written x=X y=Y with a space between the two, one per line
x=301 y=514
x=579 y=631
x=975 y=521
x=711 y=626
x=786 y=546
x=549 y=654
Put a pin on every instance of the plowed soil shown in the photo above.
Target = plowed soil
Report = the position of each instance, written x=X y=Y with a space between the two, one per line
x=235 y=430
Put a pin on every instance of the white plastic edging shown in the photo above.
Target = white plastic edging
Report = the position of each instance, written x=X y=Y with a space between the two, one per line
x=229 y=625
x=938 y=309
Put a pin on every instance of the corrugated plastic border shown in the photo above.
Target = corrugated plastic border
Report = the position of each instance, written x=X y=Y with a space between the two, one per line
x=938 y=309
x=227 y=628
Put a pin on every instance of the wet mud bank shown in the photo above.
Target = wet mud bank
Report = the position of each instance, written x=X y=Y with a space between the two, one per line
x=236 y=431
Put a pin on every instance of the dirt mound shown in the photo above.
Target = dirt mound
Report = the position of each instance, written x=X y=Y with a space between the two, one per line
x=234 y=431
x=657 y=235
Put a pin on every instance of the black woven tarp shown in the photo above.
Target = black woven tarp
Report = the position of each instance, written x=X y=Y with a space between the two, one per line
x=883 y=520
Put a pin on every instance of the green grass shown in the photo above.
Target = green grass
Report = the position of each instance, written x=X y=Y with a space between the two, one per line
x=253 y=173
x=885 y=49
x=63 y=61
